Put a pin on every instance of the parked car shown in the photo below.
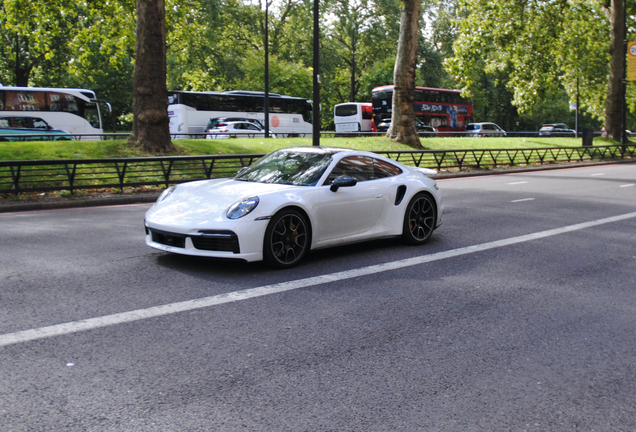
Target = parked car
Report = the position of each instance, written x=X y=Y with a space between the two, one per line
x=478 y=130
x=422 y=128
x=218 y=122
x=22 y=128
x=294 y=200
x=239 y=129
x=556 y=129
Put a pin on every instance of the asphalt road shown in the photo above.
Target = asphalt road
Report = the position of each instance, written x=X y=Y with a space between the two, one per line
x=519 y=314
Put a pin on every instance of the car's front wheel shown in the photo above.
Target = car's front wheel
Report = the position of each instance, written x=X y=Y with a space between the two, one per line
x=419 y=219
x=286 y=239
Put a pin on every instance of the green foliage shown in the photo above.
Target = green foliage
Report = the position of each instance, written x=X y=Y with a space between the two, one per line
x=543 y=49
x=519 y=60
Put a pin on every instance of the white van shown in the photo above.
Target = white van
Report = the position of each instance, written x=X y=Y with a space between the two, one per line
x=353 y=117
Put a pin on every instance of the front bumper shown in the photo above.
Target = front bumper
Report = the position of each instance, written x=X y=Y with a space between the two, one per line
x=243 y=242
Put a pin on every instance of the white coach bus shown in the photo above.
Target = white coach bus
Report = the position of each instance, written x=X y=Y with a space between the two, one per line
x=72 y=110
x=190 y=112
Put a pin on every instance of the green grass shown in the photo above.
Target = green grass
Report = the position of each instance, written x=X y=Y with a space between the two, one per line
x=99 y=149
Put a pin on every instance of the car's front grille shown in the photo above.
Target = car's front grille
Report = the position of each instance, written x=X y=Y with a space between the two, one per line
x=168 y=239
x=225 y=241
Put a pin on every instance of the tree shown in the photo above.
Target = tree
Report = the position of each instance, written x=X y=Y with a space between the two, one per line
x=543 y=47
x=150 y=94
x=403 y=116
x=33 y=37
x=613 y=105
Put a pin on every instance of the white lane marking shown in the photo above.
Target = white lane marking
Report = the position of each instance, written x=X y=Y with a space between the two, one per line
x=516 y=183
x=628 y=185
x=524 y=199
x=184 y=306
x=597 y=174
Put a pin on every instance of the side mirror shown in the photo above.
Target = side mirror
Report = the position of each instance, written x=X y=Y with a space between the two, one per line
x=342 y=181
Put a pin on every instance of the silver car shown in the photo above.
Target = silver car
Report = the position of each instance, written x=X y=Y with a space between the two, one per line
x=556 y=129
x=478 y=130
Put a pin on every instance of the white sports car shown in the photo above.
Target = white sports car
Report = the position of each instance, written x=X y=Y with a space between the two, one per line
x=293 y=200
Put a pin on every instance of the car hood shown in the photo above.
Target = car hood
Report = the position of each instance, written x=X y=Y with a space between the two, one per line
x=207 y=200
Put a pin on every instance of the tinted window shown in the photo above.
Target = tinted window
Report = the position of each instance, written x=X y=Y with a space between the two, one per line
x=25 y=101
x=358 y=167
x=346 y=110
x=384 y=169
x=62 y=102
x=40 y=124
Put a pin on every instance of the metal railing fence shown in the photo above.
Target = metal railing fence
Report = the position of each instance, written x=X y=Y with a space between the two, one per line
x=75 y=174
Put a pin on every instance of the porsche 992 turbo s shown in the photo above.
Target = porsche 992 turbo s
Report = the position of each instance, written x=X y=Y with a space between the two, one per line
x=294 y=200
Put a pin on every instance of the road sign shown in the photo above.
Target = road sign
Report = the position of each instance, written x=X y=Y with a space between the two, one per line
x=631 y=61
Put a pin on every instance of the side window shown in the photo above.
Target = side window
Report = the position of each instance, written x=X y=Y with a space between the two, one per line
x=40 y=124
x=251 y=127
x=358 y=167
x=19 y=123
x=384 y=169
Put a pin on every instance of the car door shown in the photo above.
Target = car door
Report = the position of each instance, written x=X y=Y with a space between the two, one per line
x=350 y=210
x=253 y=130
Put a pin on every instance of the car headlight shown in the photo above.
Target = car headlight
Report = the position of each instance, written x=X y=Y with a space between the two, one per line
x=166 y=193
x=242 y=208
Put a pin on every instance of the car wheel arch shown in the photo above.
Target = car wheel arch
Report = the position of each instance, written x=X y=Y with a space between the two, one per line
x=407 y=207
x=280 y=247
x=303 y=212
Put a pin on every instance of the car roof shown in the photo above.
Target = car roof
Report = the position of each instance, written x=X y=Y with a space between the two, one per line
x=242 y=121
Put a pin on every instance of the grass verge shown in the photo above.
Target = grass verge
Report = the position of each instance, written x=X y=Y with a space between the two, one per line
x=99 y=149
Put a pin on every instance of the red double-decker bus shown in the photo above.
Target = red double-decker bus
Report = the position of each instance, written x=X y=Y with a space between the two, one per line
x=444 y=109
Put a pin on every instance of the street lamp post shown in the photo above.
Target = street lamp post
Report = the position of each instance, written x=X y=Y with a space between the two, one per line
x=266 y=107
x=316 y=97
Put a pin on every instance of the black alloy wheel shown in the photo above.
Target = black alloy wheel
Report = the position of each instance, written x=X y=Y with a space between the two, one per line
x=286 y=239
x=419 y=219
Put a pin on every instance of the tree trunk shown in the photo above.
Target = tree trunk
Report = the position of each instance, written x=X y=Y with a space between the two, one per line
x=353 y=90
x=150 y=96
x=402 y=127
x=614 y=101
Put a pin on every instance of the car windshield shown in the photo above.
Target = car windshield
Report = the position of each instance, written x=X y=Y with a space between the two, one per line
x=288 y=166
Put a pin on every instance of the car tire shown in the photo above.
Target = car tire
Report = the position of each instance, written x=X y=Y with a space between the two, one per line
x=419 y=219
x=287 y=239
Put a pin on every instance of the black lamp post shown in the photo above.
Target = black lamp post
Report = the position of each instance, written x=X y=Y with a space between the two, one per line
x=316 y=105
x=624 y=80
x=266 y=107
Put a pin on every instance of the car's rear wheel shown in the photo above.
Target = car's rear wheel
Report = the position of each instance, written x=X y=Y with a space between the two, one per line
x=419 y=219
x=286 y=239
